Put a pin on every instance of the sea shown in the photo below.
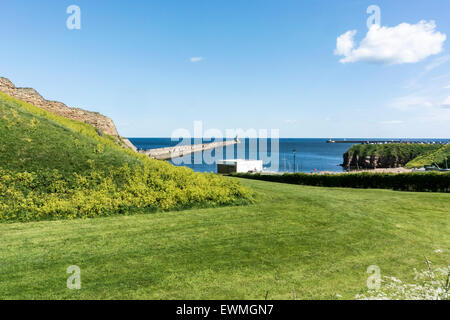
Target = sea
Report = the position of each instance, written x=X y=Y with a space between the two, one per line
x=278 y=155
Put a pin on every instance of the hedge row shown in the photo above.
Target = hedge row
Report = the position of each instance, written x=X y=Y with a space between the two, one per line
x=418 y=182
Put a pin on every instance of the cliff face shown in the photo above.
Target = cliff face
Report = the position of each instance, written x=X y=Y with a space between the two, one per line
x=99 y=121
x=372 y=161
x=392 y=155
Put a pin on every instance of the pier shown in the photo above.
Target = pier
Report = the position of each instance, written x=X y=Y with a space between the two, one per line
x=364 y=141
x=385 y=141
x=182 y=150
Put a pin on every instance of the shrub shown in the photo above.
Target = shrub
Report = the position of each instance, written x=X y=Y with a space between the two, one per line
x=390 y=155
x=60 y=168
x=420 y=182
x=43 y=195
x=441 y=157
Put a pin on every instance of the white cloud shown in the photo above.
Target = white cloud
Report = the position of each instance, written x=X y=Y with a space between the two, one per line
x=446 y=102
x=411 y=102
x=421 y=105
x=441 y=77
x=345 y=43
x=388 y=122
x=447 y=87
x=405 y=43
x=290 y=121
x=437 y=62
x=431 y=66
x=196 y=59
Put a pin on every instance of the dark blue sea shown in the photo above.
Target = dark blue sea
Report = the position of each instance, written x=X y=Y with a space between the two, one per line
x=281 y=155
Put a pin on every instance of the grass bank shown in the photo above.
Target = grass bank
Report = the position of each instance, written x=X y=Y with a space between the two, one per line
x=55 y=168
x=440 y=157
x=393 y=155
x=318 y=240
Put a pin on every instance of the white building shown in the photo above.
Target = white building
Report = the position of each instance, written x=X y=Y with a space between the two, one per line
x=239 y=166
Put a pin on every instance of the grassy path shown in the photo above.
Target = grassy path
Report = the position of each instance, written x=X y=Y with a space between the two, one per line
x=319 y=240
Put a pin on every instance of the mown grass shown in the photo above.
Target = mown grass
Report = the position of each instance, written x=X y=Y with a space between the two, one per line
x=318 y=240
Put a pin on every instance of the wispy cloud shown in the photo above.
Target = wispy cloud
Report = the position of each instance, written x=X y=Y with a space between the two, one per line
x=440 y=77
x=446 y=102
x=437 y=62
x=391 y=122
x=422 y=102
x=411 y=102
x=405 y=43
x=431 y=66
x=196 y=59
x=289 y=121
x=428 y=106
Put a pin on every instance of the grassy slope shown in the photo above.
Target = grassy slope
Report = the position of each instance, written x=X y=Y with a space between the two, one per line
x=402 y=153
x=320 y=240
x=34 y=139
x=437 y=157
x=53 y=168
x=411 y=155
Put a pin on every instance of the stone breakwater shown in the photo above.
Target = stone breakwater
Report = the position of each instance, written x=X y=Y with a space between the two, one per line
x=97 y=120
x=180 y=151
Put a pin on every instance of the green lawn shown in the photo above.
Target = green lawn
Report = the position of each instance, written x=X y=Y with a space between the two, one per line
x=320 y=240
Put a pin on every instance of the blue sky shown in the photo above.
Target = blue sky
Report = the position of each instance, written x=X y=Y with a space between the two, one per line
x=265 y=65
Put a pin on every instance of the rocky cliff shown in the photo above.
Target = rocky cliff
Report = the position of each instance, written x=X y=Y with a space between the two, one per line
x=393 y=155
x=354 y=161
x=99 y=121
